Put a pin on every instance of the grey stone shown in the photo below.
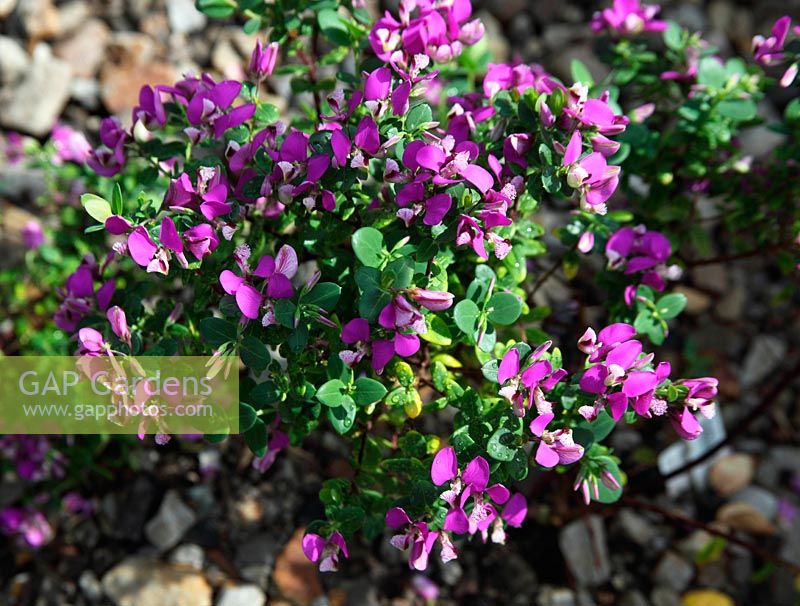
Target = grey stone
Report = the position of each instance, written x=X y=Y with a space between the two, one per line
x=14 y=61
x=242 y=595
x=124 y=514
x=26 y=108
x=190 y=555
x=86 y=91
x=556 y=596
x=673 y=571
x=637 y=528
x=664 y=596
x=171 y=522
x=634 y=598
x=6 y=7
x=764 y=356
x=184 y=17
x=583 y=544
x=90 y=586
x=762 y=500
x=255 y=558
x=73 y=15
x=140 y=581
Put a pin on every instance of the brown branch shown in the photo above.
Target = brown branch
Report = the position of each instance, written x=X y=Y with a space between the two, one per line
x=731 y=538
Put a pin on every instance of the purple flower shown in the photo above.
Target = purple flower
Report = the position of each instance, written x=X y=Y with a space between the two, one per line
x=435 y=300
x=555 y=447
x=32 y=234
x=278 y=441
x=417 y=538
x=28 y=525
x=522 y=389
x=628 y=17
x=262 y=61
x=276 y=274
x=209 y=196
x=325 y=551
x=108 y=159
x=119 y=323
x=768 y=51
x=594 y=179
x=71 y=145
x=685 y=424
x=150 y=112
x=637 y=250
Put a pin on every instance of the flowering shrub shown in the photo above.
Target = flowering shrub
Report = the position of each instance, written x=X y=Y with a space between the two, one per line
x=368 y=257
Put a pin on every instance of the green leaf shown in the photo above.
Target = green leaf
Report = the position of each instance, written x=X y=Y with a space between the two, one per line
x=671 y=305
x=216 y=9
x=117 y=204
x=267 y=113
x=264 y=394
x=580 y=73
x=673 y=36
x=254 y=353
x=646 y=324
x=740 y=110
x=342 y=417
x=505 y=308
x=334 y=28
x=98 y=208
x=711 y=72
x=251 y=26
x=284 y=312
x=466 y=315
x=502 y=445
x=368 y=246
x=372 y=302
x=330 y=393
x=324 y=295
x=602 y=426
x=438 y=332
x=368 y=391
x=216 y=331
x=417 y=116
x=256 y=438
x=247 y=417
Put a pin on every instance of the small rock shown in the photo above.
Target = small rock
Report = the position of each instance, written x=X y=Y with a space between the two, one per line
x=743 y=516
x=691 y=546
x=495 y=38
x=7 y=7
x=27 y=108
x=255 y=558
x=171 y=522
x=673 y=571
x=73 y=15
x=637 y=528
x=706 y=597
x=556 y=596
x=14 y=61
x=634 y=598
x=86 y=50
x=760 y=499
x=139 y=581
x=583 y=545
x=90 y=586
x=764 y=356
x=730 y=474
x=41 y=19
x=226 y=60
x=184 y=17
x=664 y=596
x=85 y=91
x=190 y=555
x=242 y=595
x=296 y=577
x=120 y=83
x=696 y=300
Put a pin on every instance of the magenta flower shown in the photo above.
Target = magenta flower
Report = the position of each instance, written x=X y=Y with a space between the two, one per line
x=148 y=254
x=435 y=300
x=555 y=447
x=28 y=525
x=150 y=112
x=278 y=441
x=119 y=324
x=208 y=196
x=503 y=76
x=209 y=104
x=686 y=424
x=325 y=551
x=594 y=179
x=636 y=250
x=469 y=490
x=417 y=538
x=79 y=297
x=768 y=51
x=628 y=17
x=539 y=376
x=262 y=60
x=276 y=274
x=108 y=159
x=32 y=234
x=201 y=240
x=71 y=145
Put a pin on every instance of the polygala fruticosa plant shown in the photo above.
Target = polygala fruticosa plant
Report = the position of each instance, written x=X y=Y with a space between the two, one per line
x=369 y=256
